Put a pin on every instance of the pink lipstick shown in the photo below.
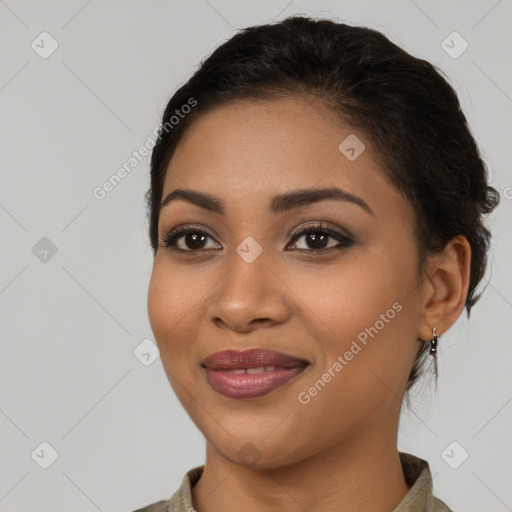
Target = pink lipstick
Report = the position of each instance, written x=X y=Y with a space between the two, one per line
x=251 y=373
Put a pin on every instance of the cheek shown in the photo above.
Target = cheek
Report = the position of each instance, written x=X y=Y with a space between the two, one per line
x=353 y=295
x=170 y=300
x=168 y=303
x=158 y=300
x=371 y=315
x=364 y=369
x=171 y=296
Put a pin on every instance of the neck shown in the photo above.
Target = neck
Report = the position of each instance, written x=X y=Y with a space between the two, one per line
x=363 y=475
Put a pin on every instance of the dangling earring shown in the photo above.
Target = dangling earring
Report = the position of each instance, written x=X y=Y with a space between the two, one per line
x=433 y=341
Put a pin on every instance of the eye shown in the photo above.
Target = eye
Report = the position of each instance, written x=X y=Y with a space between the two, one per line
x=195 y=239
x=317 y=236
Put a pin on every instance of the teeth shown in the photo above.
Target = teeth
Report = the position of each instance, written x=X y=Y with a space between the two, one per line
x=259 y=369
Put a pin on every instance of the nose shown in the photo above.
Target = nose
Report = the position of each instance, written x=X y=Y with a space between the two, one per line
x=250 y=295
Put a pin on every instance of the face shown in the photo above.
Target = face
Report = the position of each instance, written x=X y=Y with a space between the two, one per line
x=343 y=297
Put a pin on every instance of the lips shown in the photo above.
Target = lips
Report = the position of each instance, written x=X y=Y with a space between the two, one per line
x=251 y=373
x=253 y=358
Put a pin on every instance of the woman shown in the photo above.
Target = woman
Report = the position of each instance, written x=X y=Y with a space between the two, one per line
x=316 y=215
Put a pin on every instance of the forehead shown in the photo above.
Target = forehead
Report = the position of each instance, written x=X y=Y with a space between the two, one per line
x=248 y=151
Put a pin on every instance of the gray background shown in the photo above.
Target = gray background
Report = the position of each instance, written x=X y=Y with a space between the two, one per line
x=71 y=321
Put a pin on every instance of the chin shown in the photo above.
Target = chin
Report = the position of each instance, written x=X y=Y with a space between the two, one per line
x=259 y=454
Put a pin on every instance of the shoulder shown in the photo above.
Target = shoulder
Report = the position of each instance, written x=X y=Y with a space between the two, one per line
x=440 y=506
x=159 y=506
x=181 y=500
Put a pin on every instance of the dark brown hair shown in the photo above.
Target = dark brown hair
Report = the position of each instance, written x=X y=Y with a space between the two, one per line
x=405 y=108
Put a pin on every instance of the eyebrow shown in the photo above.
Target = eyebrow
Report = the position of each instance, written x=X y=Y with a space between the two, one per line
x=279 y=204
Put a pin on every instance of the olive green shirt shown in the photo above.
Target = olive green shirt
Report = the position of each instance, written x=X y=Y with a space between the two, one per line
x=416 y=472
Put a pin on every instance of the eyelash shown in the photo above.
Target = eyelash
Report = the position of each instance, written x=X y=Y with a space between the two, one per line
x=168 y=240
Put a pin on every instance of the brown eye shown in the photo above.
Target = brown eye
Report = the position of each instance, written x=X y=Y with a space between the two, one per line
x=316 y=238
x=194 y=240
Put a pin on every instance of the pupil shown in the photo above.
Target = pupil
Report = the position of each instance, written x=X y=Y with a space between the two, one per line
x=195 y=238
x=318 y=238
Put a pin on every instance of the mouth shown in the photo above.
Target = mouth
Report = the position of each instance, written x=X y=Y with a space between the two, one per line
x=251 y=373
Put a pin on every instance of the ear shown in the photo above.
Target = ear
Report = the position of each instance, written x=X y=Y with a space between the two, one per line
x=445 y=290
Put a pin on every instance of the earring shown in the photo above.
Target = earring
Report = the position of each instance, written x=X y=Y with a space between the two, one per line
x=433 y=341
